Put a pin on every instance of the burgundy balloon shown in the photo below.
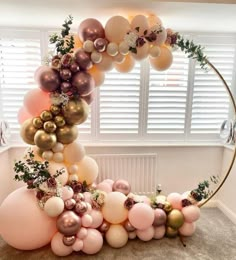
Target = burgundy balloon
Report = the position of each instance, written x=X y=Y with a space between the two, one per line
x=160 y=217
x=89 y=98
x=69 y=240
x=49 y=80
x=65 y=86
x=90 y=29
x=74 y=67
x=70 y=203
x=65 y=74
x=83 y=82
x=68 y=223
x=83 y=59
x=100 y=44
x=128 y=227
x=104 y=227
x=81 y=207
x=122 y=186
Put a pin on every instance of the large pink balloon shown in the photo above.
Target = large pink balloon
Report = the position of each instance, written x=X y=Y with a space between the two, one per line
x=187 y=229
x=93 y=242
x=36 y=101
x=23 y=224
x=90 y=29
x=58 y=247
x=97 y=218
x=191 y=213
x=146 y=234
x=141 y=216
x=23 y=115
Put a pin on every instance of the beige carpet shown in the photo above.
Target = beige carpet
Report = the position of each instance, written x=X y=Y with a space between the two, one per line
x=215 y=239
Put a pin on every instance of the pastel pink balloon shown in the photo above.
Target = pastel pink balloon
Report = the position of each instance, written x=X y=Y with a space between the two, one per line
x=39 y=97
x=110 y=181
x=89 y=207
x=23 y=224
x=67 y=193
x=78 y=245
x=82 y=233
x=104 y=186
x=175 y=200
x=86 y=220
x=87 y=197
x=146 y=234
x=93 y=242
x=141 y=216
x=159 y=232
x=97 y=218
x=23 y=115
x=146 y=200
x=58 y=247
x=191 y=213
x=187 y=229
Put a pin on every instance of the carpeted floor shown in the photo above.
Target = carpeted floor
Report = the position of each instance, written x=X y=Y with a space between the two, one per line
x=215 y=239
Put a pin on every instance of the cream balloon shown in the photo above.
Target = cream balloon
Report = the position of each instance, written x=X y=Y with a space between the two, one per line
x=74 y=152
x=164 y=61
x=54 y=206
x=117 y=236
x=59 y=147
x=88 y=170
x=119 y=58
x=142 y=52
x=153 y=20
x=140 y=22
x=96 y=57
x=73 y=169
x=106 y=64
x=54 y=167
x=154 y=51
x=127 y=65
x=113 y=209
x=58 y=157
x=88 y=46
x=47 y=155
x=116 y=28
x=112 y=49
x=123 y=48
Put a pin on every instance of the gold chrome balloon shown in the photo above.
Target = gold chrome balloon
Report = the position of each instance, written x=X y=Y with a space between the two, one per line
x=67 y=134
x=75 y=111
x=167 y=206
x=28 y=131
x=59 y=121
x=55 y=110
x=44 y=140
x=37 y=122
x=175 y=219
x=46 y=115
x=171 y=232
x=49 y=126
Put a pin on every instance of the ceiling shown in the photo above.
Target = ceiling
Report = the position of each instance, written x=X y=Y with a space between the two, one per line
x=217 y=16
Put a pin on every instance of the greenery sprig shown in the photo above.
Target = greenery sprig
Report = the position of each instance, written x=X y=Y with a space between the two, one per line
x=33 y=172
x=64 y=42
x=192 y=50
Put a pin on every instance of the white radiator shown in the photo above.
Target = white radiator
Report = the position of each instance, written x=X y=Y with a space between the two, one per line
x=139 y=169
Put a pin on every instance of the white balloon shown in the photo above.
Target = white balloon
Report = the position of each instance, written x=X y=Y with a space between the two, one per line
x=58 y=147
x=88 y=46
x=58 y=157
x=47 y=155
x=54 y=206
x=112 y=49
x=123 y=48
x=154 y=51
x=96 y=57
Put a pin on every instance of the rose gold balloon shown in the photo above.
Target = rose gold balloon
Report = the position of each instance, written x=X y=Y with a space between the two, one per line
x=83 y=82
x=104 y=227
x=49 y=80
x=81 y=207
x=91 y=29
x=69 y=240
x=100 y=44
x=70 y=203
x=122 y=186
x=160 y=217
x=89 y=98
x=82 y=58
x=128 y=226
x=68 y=223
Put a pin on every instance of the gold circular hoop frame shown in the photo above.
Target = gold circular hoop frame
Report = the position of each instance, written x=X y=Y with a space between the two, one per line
x=234 y=154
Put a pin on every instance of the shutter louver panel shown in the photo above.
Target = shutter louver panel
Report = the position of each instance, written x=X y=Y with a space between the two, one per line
x=19 y=58
x=210 y=105
x=167 y=98
x=119 y=102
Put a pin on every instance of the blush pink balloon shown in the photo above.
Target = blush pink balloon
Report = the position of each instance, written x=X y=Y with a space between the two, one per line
x=86 y=220
x=159 y=232
x=191 y=213
x=141 y=216
x=67 y=193
x=87 y=197
x=93 y=242
x=110 y=181
x=82 y=233
x=146 y=234
x=97 y=218
x=146 y=200
x=187 y=229
x=58 y=247
x=175 y=200
x=23 y=115
x=39 y=97
x=104 y=186
x=78 y=245
x=23 y=224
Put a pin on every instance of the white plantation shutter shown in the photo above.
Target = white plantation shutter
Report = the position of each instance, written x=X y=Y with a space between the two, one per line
x=119 y=103
x=19 y=58
x=210 y=103
x=167 y=99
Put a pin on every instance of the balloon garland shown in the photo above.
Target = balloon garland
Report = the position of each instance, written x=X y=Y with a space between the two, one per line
x=61 y=204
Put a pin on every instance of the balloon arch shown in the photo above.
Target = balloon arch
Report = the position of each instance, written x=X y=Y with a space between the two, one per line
x=61 y=204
